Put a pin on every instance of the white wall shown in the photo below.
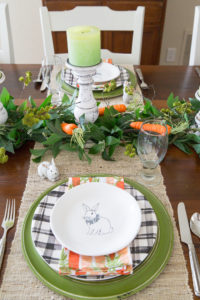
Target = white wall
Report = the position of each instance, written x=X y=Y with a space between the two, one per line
x=178 y=19
x=25 y=30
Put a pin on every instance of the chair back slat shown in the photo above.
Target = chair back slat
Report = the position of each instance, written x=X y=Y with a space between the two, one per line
x=6 y=54
x=195 y=45
x=100 y=16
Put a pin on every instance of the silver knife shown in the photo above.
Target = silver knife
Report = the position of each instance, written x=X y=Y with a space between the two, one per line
x=46 y=79
x=143 y=84
x=186 y=238
x=198 y=71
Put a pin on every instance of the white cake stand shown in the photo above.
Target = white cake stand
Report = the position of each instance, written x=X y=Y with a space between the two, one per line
x=85 y=103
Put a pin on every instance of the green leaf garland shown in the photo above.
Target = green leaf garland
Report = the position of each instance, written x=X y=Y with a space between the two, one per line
x=43 y=124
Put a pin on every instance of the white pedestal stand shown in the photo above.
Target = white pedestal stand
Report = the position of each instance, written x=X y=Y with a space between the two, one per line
x=85 y=103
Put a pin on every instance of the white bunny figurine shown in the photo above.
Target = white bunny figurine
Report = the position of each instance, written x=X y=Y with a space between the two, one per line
x=3 y=114
x=126 y=96
x=48 y=170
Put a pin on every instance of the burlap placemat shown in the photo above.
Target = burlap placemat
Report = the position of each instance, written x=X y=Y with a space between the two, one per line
x=20 y=283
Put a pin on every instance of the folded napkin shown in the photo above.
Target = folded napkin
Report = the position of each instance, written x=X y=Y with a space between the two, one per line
x=71 y=80
x=116 y=263
x=107 y=60
x=117 y=181
x=113 y=264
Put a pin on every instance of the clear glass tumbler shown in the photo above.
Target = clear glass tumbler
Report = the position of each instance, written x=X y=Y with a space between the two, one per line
x=152 y=146
x=50 y=67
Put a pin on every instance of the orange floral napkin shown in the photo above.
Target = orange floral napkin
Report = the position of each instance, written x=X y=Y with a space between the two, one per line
x=116 y=263
x=107 y=60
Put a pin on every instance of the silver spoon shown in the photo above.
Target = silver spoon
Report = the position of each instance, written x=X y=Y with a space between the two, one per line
x=195 y=224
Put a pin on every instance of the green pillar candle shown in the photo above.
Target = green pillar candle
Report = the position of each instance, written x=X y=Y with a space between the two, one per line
x=84 y=45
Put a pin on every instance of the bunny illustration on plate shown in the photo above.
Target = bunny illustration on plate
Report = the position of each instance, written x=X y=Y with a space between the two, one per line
x=48 y=170
x=97 y=225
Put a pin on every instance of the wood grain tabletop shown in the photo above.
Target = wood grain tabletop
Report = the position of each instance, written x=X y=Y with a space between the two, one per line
x=181 y=171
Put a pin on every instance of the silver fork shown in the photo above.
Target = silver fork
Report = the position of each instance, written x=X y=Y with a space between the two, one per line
x=8 y=222
x=143 y=84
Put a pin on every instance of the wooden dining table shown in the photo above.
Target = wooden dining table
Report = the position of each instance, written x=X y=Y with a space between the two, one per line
x=181 y=172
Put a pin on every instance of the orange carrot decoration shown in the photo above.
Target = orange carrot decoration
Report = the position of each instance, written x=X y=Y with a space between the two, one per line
x=63 y=125
x=68 y=128
x=119 y=107
x=101 y=111
x=136 y=125
x=151 y=127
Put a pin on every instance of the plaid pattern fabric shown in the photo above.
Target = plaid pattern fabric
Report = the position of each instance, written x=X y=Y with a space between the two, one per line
x=50 y=249
x=70 y=79
x=116 y=263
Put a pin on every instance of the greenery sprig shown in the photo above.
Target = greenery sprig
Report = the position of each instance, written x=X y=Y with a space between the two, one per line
x=43 y=124
x=27 y=79
x=3 y=156
x=110 y=86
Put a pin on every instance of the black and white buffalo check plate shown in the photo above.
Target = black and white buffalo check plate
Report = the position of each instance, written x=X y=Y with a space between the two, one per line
x=71 y=80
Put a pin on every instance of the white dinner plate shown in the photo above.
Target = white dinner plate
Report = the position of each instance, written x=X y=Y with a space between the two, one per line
x=95 y=219
x=106 y=72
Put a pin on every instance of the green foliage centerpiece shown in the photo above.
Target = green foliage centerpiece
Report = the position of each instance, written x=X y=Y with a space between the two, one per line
x=47 y=125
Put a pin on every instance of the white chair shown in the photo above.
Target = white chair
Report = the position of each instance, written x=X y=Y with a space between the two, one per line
x=100 y=16
x=195 y=45
x=6 y=54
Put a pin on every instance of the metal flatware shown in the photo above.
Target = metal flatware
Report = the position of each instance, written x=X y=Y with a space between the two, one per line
x=2 y=76
x=143 y=84
x=195 y=223
x=197 y=69
x=39 y=77
x=46 y=79
x=8 y=222
x=187 y=239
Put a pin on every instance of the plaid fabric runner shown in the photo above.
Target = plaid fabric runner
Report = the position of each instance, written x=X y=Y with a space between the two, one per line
x=50 y=249
x=70 y=79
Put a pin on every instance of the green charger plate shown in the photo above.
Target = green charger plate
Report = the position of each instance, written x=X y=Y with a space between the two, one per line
x=99 y=94
x=116 y=288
